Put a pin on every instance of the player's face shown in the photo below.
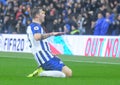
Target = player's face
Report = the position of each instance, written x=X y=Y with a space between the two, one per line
x=42 y=16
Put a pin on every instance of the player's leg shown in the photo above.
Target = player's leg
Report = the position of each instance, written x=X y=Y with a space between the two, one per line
x=58 y=71
x=52 y=73
x=53 y=68
x=36 y=72
x=67 y=71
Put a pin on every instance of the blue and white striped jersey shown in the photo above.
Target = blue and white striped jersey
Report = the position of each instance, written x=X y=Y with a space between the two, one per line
x=39 y=48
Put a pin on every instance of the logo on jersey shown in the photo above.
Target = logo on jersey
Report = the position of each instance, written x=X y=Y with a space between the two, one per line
x=36 y=28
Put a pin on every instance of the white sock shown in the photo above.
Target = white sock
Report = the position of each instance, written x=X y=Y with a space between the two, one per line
x=52 y=74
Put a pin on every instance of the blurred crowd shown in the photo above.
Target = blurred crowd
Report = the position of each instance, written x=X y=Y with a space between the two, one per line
x=74 y=17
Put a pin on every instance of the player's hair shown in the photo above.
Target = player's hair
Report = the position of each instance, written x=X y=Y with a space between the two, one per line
x=35 y=11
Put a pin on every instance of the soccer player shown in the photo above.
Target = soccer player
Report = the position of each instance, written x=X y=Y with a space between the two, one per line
x=49 y=65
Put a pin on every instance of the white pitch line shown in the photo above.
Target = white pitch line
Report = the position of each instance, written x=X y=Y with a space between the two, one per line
x=92 y=62
x=78 y=61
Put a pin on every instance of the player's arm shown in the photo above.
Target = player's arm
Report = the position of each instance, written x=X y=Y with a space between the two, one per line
x=39 y=36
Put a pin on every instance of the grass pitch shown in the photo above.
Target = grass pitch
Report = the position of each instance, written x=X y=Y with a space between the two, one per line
x=14 y=67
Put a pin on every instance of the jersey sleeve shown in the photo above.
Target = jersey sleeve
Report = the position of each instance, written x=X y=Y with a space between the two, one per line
x=36 y=29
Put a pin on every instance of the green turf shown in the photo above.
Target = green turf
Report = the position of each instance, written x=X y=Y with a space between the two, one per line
x=14 y=67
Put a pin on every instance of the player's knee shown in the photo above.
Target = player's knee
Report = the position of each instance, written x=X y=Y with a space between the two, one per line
x=69 y=73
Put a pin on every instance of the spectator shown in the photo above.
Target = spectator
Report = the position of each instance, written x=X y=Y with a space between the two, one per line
x=58 y=14
x=117 y=30
x=115 y=26
x=106 y=23
x=6 y=23
x=11 y=28
x=80 y=25
x=102 y=9
x=98 y=24
x=20 y=27
x=74 y=29
x=67 y=28
x=0 y=27
x=118 y=8
x=3 y=1
x=87 y=23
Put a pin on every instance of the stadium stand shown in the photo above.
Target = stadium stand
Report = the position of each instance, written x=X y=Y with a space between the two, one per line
x=15 y=15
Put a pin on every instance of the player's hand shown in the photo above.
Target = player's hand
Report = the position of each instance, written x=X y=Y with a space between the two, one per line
x=57 y=33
